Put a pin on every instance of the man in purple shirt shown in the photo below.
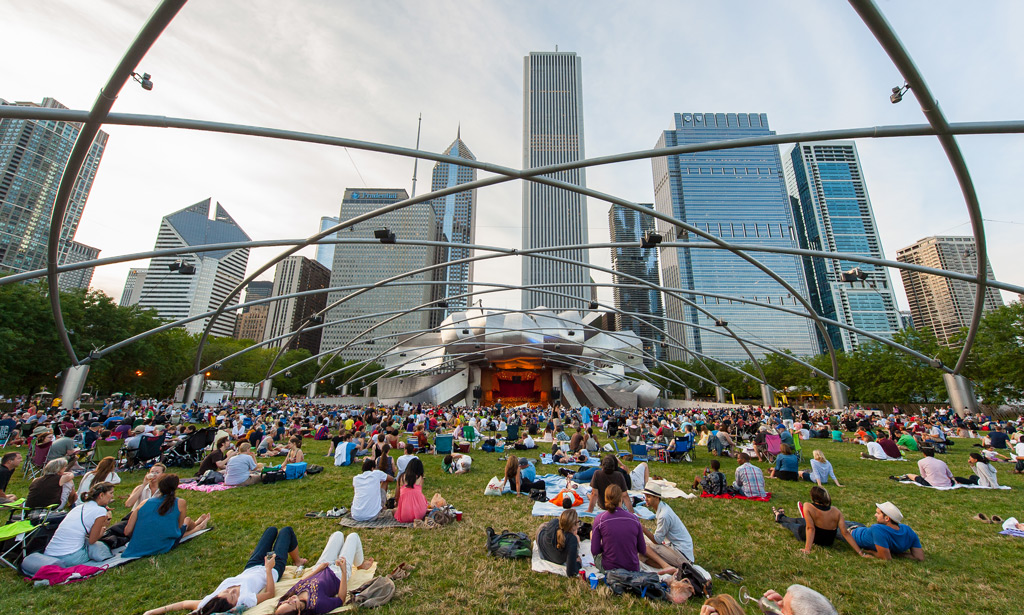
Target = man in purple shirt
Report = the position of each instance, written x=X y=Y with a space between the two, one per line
x=934 y=472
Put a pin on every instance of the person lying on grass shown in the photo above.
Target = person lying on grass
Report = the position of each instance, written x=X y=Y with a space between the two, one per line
x=514 y=476
x=162 y=522
x=888 y=537
x=456 y=463
x=618 y=538
x=819 y=524
x=256 y=582
x=325 y=587
x=800 y=600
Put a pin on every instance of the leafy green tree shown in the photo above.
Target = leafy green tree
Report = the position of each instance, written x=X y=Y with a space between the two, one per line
x=997 y=357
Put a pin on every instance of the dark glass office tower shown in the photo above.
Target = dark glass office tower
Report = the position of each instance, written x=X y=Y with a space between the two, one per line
x=737 y=195
x=628 y=226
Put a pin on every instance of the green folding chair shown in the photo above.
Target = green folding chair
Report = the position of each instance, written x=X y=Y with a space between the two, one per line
x=19 y=532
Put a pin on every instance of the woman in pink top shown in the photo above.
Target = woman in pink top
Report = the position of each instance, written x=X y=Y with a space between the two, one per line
x=411 y=503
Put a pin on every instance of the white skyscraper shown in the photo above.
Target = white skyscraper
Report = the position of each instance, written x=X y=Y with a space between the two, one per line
x=552 y=134
x=175 y=295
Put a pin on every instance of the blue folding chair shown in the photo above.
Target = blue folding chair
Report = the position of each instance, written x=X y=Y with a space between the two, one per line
x=443 y=444
x=639 y=452
x=683 y=448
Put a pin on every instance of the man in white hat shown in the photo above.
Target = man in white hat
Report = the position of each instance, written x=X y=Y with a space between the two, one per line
x=670 y=540
x=888 y=537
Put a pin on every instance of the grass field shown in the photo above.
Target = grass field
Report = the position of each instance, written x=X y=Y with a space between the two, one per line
x=969 y=568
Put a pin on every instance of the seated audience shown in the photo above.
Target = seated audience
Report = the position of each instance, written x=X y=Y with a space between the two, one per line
x=53 y=486
x=77 y=539
x=242 y=470
x=411 y=504
x=559 y=543
x=104 y=473
x=821 y=470
x=983 y=475
x=367 y=502
x=749 y=478
x=934 y=472
x=618 y=538
x=515 y=478
x=713 y=482
x=670 y=540
x=801 y=600
x=161 y=522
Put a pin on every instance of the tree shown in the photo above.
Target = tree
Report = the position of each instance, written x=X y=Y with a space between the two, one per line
x=997 y=357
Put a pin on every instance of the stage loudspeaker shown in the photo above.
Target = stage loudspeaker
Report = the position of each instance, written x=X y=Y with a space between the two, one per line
x=477 y=392
x=556 y=393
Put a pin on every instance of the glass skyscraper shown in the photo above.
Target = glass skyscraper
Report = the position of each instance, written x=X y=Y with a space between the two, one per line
x=360 y=264
x=455 y=216
x=552 y=134
x=325 y=251
x=738 y=195
x=832 y=212
x=32 y=158
x=174 y=295
x=628 y=226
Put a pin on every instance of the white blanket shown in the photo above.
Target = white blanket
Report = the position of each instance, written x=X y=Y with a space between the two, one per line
x=910 y=482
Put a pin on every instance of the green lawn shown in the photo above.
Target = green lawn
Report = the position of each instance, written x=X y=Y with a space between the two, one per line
x=969 y=568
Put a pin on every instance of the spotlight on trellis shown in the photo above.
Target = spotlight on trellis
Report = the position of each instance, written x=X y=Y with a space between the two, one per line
x=897 y=93
x=145 y=80
x=385 y=235
x=650 y=239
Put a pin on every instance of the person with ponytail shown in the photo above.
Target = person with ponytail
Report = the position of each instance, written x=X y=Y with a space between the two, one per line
x=77 y=539
x=162 y=522
x=559 y=542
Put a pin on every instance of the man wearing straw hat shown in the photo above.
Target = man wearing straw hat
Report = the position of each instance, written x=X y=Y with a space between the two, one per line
x=670 y=540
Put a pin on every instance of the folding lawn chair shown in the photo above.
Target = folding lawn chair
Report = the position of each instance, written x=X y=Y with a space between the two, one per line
x=35 y=460
x=618 y=453
x=772 y=446
x=443 y=444
x=5 y=435
x=639 y=452
x=150 y=449
x=469 y=434
x=512 y=433
x=14 y=541
x=102 y=449
x=682 y=448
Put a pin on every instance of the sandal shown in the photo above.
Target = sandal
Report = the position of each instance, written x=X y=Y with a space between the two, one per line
x=401 y=571
x=996 y=519
x=778 y=512
x=316 y=515
x=981 y=517
x=733 y=575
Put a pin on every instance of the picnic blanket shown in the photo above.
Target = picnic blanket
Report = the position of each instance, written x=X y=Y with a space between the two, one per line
x=955 y=486
x=889 y=459
x=547 y=509
x=205 y=488
x=387 y=520
x=545 y=458
x=288 y=579
x=539 y=564
x=727 y=496
x=103 y=566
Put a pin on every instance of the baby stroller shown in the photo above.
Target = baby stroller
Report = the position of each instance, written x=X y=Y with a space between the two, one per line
x=190 y=451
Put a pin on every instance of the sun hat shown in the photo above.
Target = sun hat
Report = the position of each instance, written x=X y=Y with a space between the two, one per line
x=889 y=509
x=653 y=489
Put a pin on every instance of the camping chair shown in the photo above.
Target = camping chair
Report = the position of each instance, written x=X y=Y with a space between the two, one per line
x=35 y=460
x=5 y=435
x=101 y=448
x=797 y=447
x=618 y=453
x=18 y=534
x=639 y=452
x=149 y=449
x=469 y=434
x=682 y=449
x=512 y=434
x=443 y=444
x=772 y=446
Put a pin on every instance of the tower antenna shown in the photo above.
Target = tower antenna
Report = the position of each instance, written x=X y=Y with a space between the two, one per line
x=416 y=161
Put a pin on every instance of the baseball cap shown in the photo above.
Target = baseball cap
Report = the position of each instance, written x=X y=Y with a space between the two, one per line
x=889 y=509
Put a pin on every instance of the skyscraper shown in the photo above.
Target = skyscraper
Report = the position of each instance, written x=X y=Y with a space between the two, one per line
x=133 y=286
x=363 y=264
x=455 y=216
x=32 y=158
x=296 y=274
x=832 y=212
x=738 y=195
x=251 y=323
x=942 y=304
x=628 y=226
x=175 y=294
x=552 y=134
x=325 y=251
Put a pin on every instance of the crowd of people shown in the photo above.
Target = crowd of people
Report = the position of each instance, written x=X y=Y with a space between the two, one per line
x=386 y=443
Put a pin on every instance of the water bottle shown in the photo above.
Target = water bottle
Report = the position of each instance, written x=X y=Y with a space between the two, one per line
x=299 y=571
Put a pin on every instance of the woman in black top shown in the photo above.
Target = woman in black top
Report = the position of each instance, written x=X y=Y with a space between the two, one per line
x=820 y=524
x=559 y=544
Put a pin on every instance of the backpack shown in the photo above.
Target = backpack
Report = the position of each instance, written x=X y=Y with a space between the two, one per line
x=211 y=477
x=642 y=584
x=374 y=593
x=539 y=495
x=698 y=577
x=510 y=545
x=272 y=476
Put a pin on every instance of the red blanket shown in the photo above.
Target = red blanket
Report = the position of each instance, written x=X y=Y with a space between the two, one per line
x=704 y=494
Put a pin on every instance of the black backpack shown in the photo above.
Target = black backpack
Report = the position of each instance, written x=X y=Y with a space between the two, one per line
x=701 y=584
x=539 y=494
x=641 y=584
x=510 y=545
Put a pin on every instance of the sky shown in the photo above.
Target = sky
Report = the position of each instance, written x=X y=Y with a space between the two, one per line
x=367 y=69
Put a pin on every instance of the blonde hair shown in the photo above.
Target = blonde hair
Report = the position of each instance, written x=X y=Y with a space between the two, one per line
x=244 y=447
x=566 y=524
x=820 y=456
x=725 y=605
